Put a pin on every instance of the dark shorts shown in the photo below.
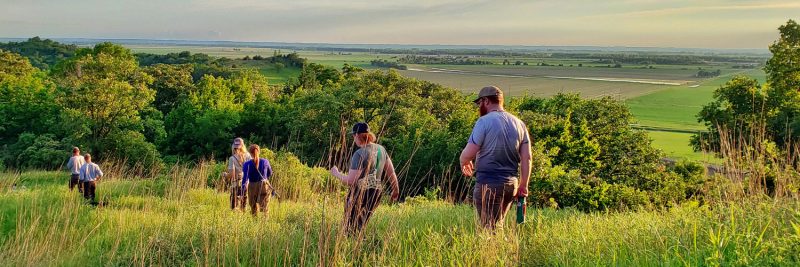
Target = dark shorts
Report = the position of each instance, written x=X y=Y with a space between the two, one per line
x=492 y=201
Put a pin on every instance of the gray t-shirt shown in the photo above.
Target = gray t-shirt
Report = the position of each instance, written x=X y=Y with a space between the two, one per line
x=499 y=136
x=371 y=165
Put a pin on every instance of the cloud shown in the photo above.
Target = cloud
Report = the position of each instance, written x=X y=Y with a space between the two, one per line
x=515 y=22
x=700 y=9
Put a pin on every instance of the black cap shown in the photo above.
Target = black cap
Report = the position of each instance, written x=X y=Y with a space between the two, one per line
x=360 y=127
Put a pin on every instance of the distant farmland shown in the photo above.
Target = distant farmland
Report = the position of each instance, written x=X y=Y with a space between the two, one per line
x=665 y=97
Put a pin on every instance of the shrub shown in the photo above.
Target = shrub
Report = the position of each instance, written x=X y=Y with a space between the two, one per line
x=134 y=149
x=36 y=151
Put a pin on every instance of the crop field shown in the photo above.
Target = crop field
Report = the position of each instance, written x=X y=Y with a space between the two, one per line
x=534 y=86
x=177 y=220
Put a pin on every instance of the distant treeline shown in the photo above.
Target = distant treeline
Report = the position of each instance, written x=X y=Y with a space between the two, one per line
x=387 y=64
x=42 y=54
x=707 y=74
x=289 y=60
x=202 y=64
x=447 y=60
x=650 y=59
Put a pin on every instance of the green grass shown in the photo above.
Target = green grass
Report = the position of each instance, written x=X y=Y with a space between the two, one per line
x=178 y=221
x=274 y=76
x=676 y=146
x=677 y=107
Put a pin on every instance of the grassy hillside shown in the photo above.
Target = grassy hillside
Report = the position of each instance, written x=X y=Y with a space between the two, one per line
x=177 y=220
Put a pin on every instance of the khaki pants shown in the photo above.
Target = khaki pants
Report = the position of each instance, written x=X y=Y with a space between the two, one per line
x=258 y=195
x=493 y=201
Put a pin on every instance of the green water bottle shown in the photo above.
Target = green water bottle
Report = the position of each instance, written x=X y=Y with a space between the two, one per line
x=521 y=210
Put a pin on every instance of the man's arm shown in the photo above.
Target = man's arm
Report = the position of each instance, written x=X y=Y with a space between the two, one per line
x=525 y=159
x=467 y=156
x=99 y=171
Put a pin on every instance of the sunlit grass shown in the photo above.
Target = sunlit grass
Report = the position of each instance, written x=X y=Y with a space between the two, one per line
x=143 y=224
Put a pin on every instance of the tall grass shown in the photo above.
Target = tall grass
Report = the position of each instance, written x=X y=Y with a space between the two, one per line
x=175 y=218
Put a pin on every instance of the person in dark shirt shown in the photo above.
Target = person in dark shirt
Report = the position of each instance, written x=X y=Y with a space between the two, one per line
x=256 y=179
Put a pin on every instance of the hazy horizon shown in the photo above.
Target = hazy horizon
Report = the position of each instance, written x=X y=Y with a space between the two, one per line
x=740 y=24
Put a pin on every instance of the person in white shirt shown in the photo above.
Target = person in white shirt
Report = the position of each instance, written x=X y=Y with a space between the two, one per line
x=89 y=174
x=234 y=173
x=74 y=165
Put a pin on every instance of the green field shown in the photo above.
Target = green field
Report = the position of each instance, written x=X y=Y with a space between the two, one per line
x=178 y=221
x=274 y=76
x=676 y=109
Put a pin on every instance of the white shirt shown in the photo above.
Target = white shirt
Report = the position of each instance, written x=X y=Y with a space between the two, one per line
x=90 y=172
x=75 y=163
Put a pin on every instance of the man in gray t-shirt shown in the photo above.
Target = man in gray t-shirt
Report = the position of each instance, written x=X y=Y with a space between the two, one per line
x=501 y=143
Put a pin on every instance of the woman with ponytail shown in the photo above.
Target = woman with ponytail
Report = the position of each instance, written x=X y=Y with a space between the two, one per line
x=369 y=167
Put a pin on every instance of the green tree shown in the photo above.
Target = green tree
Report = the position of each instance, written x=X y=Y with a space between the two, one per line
x=27 y=99
x=202 y=125
x=41 y=53
x=171 y=83
x=102 y=90
x=783 y=76
x=744 y=109
x=739 y=107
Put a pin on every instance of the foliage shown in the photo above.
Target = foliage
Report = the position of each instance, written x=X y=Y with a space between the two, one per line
x=707 y=74
x=749 y=110
x=102 y=90
x=387 y=64
x=27 y=99
x=202 y=64
x=447 y=60
x=588 y=157
x=171 y=83
x=35 y=152
x=42 y=54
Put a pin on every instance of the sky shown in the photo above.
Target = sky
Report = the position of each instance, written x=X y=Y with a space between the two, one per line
x=638 y=23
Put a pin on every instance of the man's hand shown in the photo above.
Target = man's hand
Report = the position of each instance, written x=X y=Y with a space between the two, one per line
x=335 y=172
x=522 y=191
x=467 y=156
x=468 y=169
x=395 y=195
